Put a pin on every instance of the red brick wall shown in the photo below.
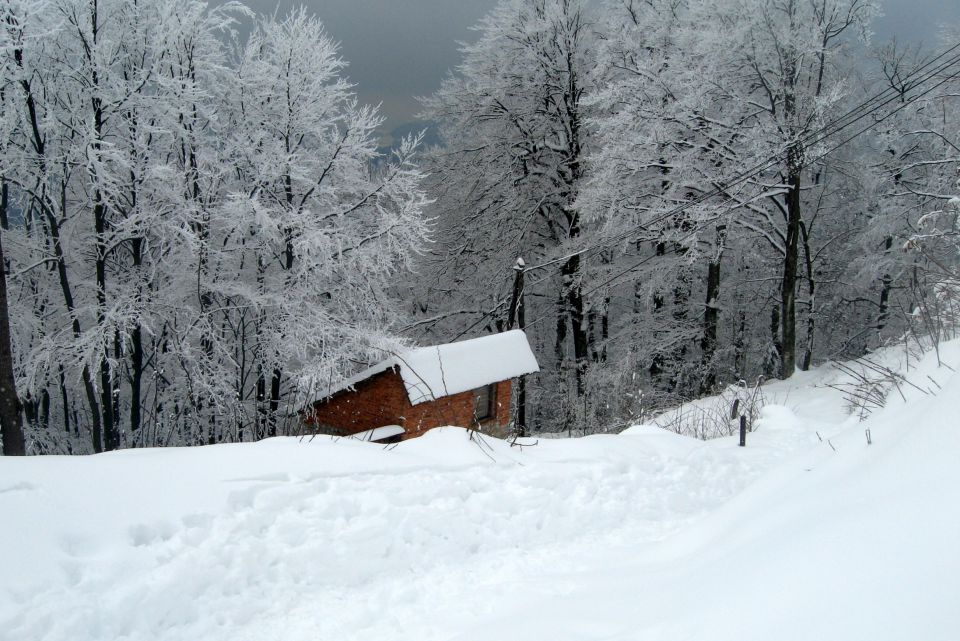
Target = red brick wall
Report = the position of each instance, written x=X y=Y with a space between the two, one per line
x=382 y=400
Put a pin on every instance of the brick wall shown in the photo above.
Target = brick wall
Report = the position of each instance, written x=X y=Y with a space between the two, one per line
x=382 y=400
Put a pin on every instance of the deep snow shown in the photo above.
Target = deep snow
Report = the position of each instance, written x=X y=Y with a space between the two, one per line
x=437 y=371
x=643 y=535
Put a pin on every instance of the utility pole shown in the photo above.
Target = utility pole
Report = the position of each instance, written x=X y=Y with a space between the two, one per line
x=10 y=420
x=517 y=315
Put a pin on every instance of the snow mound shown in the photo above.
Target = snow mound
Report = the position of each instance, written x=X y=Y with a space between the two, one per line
x=808 y=533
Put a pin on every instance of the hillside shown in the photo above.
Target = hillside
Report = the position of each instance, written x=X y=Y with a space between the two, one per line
x=808 y=533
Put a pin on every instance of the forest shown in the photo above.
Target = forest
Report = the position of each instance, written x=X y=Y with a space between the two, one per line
x=198 y=232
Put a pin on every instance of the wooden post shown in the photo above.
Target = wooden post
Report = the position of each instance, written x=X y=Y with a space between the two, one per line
x=517 y=314
x=743 y=430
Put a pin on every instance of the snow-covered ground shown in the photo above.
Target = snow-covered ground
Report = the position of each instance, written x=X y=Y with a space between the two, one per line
x=643 y=535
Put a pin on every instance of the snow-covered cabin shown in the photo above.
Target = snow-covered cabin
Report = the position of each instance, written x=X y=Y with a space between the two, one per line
x=467 y=384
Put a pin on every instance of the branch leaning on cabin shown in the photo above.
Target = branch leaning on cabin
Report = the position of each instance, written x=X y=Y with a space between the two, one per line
x=433 y=396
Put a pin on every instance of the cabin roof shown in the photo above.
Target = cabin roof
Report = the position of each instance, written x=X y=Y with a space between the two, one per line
x=437 y=371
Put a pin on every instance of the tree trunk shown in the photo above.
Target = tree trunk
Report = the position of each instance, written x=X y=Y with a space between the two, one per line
x=64 y=399
x=769 y=364
x=4 y=200
x=560 y=352
x=788 y=286
x=136 y=348
x=561 y=333
x=574 y=296
x=275 y=379
x=807 y=359
x=11 y=422
x=107 y=395
x=39 y=148
x=711 y=315
x=604 y=329
x=885 y=291
x=739 y=345
x=517 y=313
x=90 y=389
x=681 y=303
x=572 y=278
x=657 y=360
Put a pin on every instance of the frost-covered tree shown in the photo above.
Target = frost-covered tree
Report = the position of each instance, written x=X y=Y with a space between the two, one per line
x=197 y=229
x=917 y=169
x=311 y=221
x=693 y=94
x=513 y=121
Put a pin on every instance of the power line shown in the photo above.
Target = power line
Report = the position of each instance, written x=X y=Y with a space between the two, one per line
x=835 y=126
x=816 y=136
x=819 y=157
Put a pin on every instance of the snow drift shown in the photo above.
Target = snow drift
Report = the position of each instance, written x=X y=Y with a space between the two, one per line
x=807 y=533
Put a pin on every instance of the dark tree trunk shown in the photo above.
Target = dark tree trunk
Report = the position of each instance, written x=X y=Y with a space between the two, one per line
x=769 y=370
x=261 y=397
x=794 y=218
x=561 y=333
x=681 y=304
x=89 y=388
x=711 y=315
x=44 y=409
x=4 y=200
x=276 y=376
x=807 y=359
x=739 y=345
x=593 y=321
x=107 y=394
x=604 y=329
x=39 y=148
x=518 y=314
x=64 y=399
x=136 y=351
x=574 y=295
x=788 y=286
x=887 y=281
x=657 y=360
x=11 y=421
x=560 y=352
x=275 y=380
x=571 y=270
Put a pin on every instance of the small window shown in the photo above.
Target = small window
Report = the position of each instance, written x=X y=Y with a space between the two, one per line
x=484 y=399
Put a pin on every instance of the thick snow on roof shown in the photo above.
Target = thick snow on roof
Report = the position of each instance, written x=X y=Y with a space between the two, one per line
x=433 y=372
x=442 y=370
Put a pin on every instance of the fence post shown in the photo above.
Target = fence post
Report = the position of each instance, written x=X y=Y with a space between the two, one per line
x=743 y=430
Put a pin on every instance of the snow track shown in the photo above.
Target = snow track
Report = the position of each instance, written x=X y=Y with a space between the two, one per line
x=362 y=555
x=643 y=536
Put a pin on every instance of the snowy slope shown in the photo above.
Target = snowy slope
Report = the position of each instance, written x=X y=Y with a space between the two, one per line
x=644 y=535
x=844 y=541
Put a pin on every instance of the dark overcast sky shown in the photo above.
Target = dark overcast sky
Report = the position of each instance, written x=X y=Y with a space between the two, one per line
x=399 y=49
x=396 y=49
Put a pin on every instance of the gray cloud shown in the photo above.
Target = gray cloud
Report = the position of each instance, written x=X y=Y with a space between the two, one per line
x=399 y=49
x=916 y=20
x=396 y=49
